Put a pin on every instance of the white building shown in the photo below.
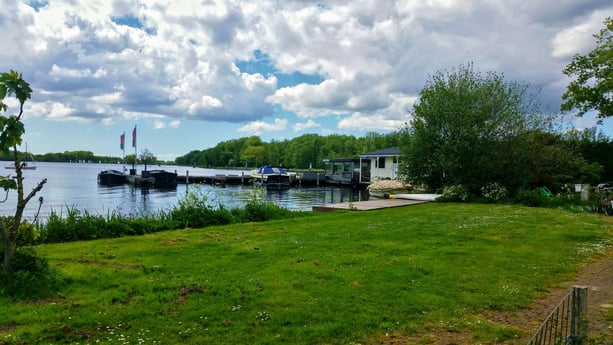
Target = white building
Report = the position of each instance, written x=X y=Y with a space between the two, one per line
x=383 y=164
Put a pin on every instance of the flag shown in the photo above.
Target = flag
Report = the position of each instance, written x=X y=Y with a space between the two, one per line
x=122 y=140
x=134 y=137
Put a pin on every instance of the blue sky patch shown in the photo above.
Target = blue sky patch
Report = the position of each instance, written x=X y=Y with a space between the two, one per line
x=38 y=4
x=133 y=22
x=128 y=20
x=261 y=63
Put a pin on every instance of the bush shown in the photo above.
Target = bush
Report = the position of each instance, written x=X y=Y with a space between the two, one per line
x=531 y=197
x=494 y=191
x=27 y=234
x=454 y=194
x=258 y=211
x=29 y=277
x=195 y=211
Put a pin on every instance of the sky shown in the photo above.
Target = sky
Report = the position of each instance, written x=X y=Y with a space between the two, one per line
x=190 y=74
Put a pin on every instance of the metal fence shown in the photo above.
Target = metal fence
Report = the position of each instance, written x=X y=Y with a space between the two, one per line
x=567 y=323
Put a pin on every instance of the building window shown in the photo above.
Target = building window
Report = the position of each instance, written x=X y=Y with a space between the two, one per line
x=382 y=162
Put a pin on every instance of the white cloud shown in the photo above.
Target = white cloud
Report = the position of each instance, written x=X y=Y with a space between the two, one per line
x=259 y=127
x=372 y=57
x=299 y=127
x=108 y=98
x=52 y=110
x=577 y=39
x=358 y=121
x=159 y=124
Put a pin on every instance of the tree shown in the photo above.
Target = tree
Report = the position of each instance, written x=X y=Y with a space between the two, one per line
x=146 y=157
x=253 y=154
x=593 y=87
x=466 y=130
x=558 y=159
x=12 y=83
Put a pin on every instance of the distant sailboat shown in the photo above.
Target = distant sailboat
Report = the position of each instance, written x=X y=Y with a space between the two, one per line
x=25 y=165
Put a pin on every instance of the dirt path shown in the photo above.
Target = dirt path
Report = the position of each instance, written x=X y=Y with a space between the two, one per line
x=597 y=276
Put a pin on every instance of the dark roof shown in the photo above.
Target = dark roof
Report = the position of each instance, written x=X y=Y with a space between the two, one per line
x=392 y=151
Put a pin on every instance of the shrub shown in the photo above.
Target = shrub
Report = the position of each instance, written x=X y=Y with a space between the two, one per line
x=27 y=234
x=494 y=191
x=195 y=211
x=453 y=194
x=30 y=277
x=531 y=197
x=258 y=211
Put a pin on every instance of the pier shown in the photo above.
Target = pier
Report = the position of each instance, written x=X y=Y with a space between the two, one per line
x=165 y=179
x=299 y=178
x=368 y=205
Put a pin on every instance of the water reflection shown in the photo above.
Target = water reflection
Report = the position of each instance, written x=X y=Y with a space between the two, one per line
x=75 y=186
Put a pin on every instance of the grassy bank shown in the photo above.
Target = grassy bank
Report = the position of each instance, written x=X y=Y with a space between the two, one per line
x=340 y=278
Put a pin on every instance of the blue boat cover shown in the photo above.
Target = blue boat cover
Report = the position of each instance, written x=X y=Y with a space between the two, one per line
x=266 y=170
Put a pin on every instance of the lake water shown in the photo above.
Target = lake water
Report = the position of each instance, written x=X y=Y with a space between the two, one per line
x=75 y=186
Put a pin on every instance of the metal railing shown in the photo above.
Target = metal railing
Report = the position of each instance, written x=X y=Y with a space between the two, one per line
x=567 y=323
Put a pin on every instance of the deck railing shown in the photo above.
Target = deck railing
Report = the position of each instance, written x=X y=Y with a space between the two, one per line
x=567 y=323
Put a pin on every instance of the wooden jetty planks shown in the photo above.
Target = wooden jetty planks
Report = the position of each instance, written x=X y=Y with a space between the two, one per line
x=368 y=205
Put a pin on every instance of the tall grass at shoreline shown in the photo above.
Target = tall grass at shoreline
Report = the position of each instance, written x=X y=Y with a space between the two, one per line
x=194 y=210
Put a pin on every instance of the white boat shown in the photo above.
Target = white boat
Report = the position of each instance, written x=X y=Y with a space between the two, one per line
x=25 y=165
x=270 y=176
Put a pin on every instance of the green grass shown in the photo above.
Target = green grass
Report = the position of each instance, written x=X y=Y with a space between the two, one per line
x=338 y=278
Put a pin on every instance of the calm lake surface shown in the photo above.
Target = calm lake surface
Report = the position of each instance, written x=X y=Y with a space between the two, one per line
x=75 y=186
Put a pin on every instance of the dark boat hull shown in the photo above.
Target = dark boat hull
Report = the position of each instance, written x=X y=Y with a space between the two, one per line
x=163 y=178
x=111 y=178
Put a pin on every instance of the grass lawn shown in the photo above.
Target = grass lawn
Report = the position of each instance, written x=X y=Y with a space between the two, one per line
x=333 y=278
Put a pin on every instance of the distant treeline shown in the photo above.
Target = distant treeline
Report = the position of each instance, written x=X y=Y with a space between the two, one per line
x=309 y=150
x=301 y=152
x=66 y=156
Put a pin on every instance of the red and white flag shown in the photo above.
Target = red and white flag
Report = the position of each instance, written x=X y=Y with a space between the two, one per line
x=134 y=137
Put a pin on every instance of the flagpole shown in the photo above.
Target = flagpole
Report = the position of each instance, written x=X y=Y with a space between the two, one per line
x=134 y=144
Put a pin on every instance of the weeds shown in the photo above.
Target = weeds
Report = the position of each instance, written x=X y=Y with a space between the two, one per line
x=194 y=210
x=30 y=277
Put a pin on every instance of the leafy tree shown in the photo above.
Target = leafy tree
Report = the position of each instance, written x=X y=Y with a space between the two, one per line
x=466 y=130
x=595 y=147
x=593 y=87
x=557 y=159
x=253 y=154
x=146 y=157
x=12 y=83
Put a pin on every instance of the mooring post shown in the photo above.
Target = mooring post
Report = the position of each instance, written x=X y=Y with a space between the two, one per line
x=579 y=322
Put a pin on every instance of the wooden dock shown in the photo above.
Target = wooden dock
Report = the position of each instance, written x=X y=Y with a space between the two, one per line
x=375 y=204
x=214 y=179
x=244 y=179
